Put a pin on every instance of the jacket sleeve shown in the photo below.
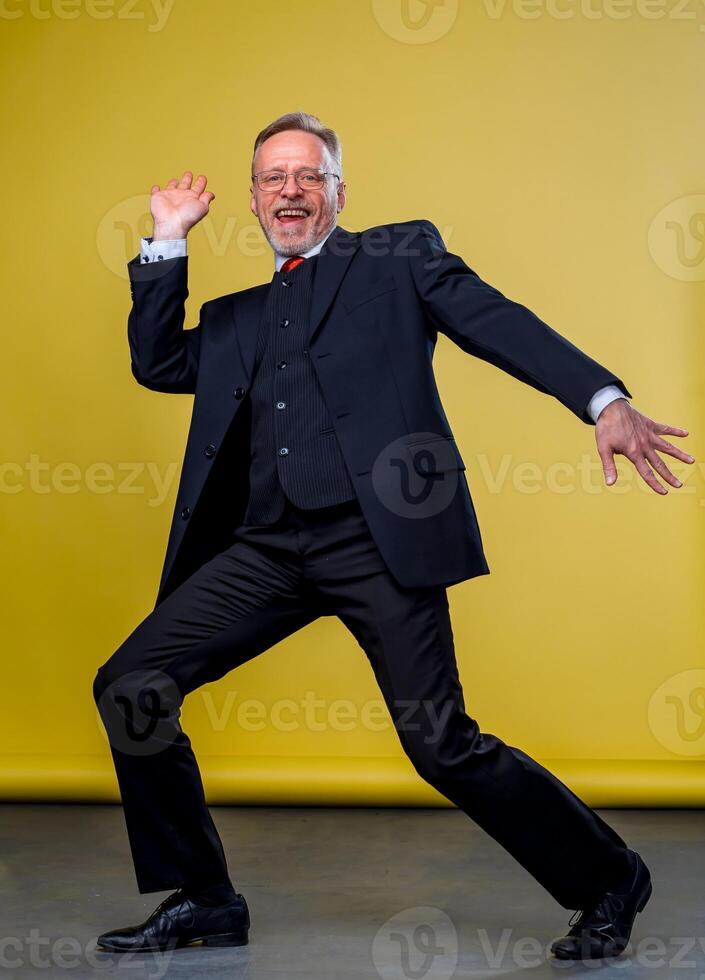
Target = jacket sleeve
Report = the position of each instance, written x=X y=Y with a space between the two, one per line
x=483 y=322
x=164 y=356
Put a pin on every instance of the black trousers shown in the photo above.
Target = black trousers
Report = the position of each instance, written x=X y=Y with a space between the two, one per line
x=272 y=581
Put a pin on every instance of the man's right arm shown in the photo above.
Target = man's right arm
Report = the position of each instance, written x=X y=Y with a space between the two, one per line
x=164 y=356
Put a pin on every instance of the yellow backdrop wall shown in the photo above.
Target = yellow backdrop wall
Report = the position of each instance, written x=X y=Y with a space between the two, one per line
x=557 y=148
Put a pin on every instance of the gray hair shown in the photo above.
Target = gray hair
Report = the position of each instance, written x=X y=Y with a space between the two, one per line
x=308 y=124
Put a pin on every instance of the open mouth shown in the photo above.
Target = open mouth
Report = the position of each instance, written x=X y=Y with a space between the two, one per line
x=288 y=216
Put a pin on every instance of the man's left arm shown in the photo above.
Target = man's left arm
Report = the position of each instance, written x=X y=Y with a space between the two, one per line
x=485 y=323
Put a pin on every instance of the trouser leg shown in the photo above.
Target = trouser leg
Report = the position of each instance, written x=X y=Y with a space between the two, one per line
x=555 y=836
x=238 y=604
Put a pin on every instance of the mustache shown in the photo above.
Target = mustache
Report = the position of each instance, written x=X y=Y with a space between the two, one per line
x=292 y=206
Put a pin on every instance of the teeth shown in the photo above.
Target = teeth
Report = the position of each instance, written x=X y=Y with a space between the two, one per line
x=293 y=213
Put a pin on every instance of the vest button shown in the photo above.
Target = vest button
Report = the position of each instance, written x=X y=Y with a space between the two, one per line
x=239 y=392
x=286 y=282
x=209 y=450
x=281 y=404
x=284 y=323
x=283 y=451
x=281 y=364
x=186 y=513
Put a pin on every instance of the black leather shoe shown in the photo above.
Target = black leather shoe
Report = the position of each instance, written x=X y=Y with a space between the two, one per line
x=179 y=921
x=605 y=929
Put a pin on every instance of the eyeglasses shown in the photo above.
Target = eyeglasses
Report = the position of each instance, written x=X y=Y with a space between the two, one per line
x=307 y=180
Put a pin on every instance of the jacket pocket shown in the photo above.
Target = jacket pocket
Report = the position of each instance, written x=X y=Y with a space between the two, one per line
x=434 y=454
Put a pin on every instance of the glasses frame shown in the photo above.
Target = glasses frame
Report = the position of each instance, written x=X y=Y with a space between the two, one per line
x=294 y=174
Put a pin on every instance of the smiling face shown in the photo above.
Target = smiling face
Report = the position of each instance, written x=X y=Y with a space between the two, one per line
x=314 y=211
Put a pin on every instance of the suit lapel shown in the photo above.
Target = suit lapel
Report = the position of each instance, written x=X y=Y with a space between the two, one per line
x=333 y=260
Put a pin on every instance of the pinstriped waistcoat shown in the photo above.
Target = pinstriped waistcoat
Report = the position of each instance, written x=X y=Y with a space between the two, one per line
x=294 y=450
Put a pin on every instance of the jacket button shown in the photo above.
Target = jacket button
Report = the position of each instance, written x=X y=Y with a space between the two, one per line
x=284 y=322
x=283 y=451
x=239 y=392
x=209 y=450
x=186 y=513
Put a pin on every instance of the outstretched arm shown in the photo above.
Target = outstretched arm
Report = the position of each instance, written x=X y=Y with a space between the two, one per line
x=485 y=323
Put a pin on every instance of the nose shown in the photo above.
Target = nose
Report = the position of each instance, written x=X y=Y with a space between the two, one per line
x=290 y=188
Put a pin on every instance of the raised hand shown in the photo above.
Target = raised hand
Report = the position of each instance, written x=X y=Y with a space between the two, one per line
x=622 y=429
x=179 y=206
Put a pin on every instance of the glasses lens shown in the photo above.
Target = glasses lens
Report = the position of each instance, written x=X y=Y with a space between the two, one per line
x=310 y=179
x=271 y=180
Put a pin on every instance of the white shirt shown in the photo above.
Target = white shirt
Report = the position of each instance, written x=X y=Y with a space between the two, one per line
x=171 y=248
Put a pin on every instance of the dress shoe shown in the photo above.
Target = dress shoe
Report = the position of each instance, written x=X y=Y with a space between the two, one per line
x=605 y=929
x=179 y=921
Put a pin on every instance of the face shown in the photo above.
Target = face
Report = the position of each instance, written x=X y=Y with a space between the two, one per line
x=316 y=210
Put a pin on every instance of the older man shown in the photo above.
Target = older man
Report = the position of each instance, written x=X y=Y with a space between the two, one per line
x=321 y=478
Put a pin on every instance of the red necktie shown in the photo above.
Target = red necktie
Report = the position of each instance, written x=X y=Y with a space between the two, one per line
x=292 y=262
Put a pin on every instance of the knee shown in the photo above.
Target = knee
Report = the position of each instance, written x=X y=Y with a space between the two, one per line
x=117 y=682
x=429 y=763
x=110 y=675
x=139 y=707
x=102 y=681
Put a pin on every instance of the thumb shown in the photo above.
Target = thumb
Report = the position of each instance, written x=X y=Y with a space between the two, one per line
x=608 y=464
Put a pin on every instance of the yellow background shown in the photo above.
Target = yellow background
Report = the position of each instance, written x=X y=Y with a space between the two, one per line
x=561 y=157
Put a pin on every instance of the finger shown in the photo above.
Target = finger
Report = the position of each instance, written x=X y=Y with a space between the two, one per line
x=199 y=184
x=667 y=447
x=671 y=430
x=172 y=184
x=648 y=476
x=608 y=464
x=206 y=197
x=661 y=468
x=155 y=189
x=185 y=181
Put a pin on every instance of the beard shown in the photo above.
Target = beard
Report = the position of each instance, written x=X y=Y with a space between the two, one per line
x=288 y=239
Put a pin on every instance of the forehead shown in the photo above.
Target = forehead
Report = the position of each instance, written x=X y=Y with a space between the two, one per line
x=291 y=149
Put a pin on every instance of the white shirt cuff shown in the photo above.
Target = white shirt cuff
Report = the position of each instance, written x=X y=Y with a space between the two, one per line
x=602 y=398
x=169 y=248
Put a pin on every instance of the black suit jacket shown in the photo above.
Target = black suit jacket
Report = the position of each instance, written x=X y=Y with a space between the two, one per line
x=380 y=297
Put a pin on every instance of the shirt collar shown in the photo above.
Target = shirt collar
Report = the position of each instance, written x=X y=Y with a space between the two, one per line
x=279 y=260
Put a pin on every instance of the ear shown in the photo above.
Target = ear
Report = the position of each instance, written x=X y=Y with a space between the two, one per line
x=341 y=195
x=253 y=202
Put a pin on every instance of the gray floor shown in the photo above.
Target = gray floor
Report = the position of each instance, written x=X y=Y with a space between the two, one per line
x=337 y=894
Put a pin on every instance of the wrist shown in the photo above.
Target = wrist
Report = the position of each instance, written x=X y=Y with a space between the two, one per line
x=613 y=407
x=162 y=234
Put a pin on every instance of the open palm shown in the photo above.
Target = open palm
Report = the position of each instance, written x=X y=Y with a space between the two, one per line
x=180 y=206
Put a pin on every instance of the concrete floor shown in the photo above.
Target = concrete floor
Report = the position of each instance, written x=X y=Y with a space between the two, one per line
x=336 y=894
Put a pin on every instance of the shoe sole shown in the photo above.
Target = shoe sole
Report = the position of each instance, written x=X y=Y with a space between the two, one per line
x=221 y=940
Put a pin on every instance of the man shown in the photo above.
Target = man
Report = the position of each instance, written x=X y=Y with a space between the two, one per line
x=321 y=477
